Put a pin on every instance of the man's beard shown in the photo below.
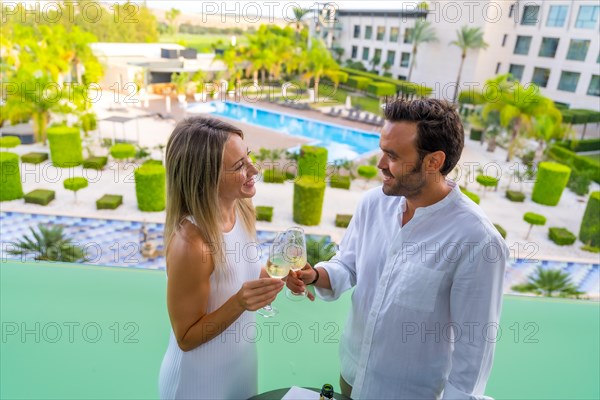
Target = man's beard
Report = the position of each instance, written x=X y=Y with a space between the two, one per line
x=408 y=185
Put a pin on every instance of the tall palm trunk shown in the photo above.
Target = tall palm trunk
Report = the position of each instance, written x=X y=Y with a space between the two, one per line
x=513 y=140
x=412 y=62
x=317 y=79
x=40 y=121
x=460 y=69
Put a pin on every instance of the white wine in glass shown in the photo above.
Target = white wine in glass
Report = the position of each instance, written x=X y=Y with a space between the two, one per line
x=296 y=255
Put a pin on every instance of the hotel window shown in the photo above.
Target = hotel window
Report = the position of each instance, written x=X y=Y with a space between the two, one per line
x=578 y=49
x=587 y=17
x=548 y=47
x=377 y=55
x=522 y=45
x=405 y=60
x=368 y=32
x=394 y=34
x=557 y=16
x=530 y=15
x=516 y=71
x=540 y=76
x=356 y=31
x=504 y=39
x=568 y=81
x=354 y=51
x=365 y=55
x=511 y=11
x=594 y=88
x=391 y=57
x=498 y=68
x=408 y=35
x=380 y=32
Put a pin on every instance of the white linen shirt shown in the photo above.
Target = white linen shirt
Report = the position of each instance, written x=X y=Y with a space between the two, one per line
x=427 y=298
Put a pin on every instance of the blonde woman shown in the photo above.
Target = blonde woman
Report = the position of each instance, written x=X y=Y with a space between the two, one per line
x=214 y=277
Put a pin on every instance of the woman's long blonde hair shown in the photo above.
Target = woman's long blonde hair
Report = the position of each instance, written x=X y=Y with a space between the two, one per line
x=194 y=160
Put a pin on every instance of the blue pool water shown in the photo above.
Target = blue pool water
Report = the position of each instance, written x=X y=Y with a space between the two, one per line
x=341 y=142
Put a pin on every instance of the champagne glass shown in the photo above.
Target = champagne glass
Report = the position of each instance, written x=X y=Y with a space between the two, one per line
x=295 y=253
x=276 y=268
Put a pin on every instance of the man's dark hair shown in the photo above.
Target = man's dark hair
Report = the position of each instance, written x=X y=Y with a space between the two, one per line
x=438 y=127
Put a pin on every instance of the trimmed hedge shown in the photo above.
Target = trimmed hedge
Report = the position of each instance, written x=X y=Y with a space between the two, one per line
x=308 y=201
x=471 y=97
x=65 y=146
x=150 y=189
x=401 y=86
x=381 y=89
x=264 y=213
x=9 y=141
x=152 y=162
x=475 y=134
x=589 y=232
x=122 y=151
x=273 y=175
x=109 y=202
x=515 y=196
x=359 y=82
x=471 y=195
x=585 y=165
x=10 y=176
x=312 y=163
x=95 y=162
x=34 y=158
x=340 y=182
x=487 y=181
x=534 y=219
x=367 y=171
x=342 y=220
x=551 y=180
x=39 y=196
x=561 y=236
x=76 y=183
x=501 y=230
x=581 y=145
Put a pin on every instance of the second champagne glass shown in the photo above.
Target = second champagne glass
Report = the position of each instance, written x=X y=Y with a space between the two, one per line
x=295 y=251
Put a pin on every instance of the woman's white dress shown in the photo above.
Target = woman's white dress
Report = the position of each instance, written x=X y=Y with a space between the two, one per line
x=226 y=366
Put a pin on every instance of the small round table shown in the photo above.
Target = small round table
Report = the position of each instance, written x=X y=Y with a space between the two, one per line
x=277 y=394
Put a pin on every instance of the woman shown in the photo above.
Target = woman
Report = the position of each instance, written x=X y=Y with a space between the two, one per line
x=213 y=279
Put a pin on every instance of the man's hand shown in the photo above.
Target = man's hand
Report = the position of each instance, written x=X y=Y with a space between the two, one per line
x=297 y=281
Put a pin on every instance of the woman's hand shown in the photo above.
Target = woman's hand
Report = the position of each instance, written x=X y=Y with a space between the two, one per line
x=297 y=281
x=258 y=293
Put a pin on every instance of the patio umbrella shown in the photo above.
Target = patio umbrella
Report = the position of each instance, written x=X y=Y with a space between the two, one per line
x=348 y=102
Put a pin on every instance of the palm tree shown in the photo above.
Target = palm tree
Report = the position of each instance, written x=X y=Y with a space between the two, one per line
x=171 y=16
x=467 y=39
x=320 y=63
x=423 y=32
x=48 y=243
x=548 y=282
x=319 y=250
x=299 y=13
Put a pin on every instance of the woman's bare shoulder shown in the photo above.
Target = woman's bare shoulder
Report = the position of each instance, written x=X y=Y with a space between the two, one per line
x=188 y=249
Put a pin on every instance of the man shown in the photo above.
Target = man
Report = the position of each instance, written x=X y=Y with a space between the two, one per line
x=427 y=268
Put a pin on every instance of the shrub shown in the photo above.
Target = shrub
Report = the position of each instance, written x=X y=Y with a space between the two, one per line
x=39 y=196
x=150 y=187
x=581 y=145
x=9 y=141
x=122 y=151
x=264 y=213
x=313 y=163
x=487 y=181
x=342 y=220
x=308 y=201
x=584 y=165
x=591 y=249
x=109 y=202
x=10 y=176
x=515 y=196
x=65 y=146
x=475 y=134
x=340 y=182
x=579 y=182
x=95 y=162
x=76 y=183
x=589 y=232
x=34 y=158
x=501 y=230
x=471 y=195
x=471 y=97
x=367 y=171
x=533 y=219
x=152 y=162
x=551 y=180
x=273 y=175
x=401 y=86
x=561 y=236
x=381 y=89
x=359 y=82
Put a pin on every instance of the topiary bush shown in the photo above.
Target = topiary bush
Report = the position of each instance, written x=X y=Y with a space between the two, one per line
x=589 y=232
x=359 y=82
x=10 y=176
x=308 y=201
x=39 y=196
x=34 y=158
x=65 y=146
x=264 y=213
x=533 y=219
x=9 y=141
x=475 y=134
x=312 y=163
x=367 y=171
x=150 y=189
x=487 y=181
x=75 y=184
x=109 y=202
x=273 y=175
x=470 y=195
x=97 y=163
x=381 y=89
x=501 y=230
x=515 y=196
x=561 y=236
x=551 y=180
x=122 y=151
x=340 y=182
x=342 y=220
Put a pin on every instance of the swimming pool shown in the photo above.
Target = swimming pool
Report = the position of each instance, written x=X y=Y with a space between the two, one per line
x=341 y=142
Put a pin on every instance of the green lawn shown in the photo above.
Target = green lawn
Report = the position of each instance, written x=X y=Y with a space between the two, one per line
x=328 y=96
x=202 y=43
x=593 y=156
x=549 y=349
